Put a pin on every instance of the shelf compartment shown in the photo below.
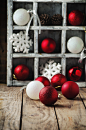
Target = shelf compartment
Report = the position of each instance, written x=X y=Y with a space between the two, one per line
x=25 y=5
x=43 y=61
x=76 y=6
x=31 y=36
x=55 y=35
x=29 y=62
x=71 y=33
x=72 y=62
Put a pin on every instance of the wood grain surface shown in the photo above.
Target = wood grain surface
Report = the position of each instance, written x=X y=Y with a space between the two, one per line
x=10 y=107
x=83 y=95
x=19 y=112
x=71 y=114
x=37 y=116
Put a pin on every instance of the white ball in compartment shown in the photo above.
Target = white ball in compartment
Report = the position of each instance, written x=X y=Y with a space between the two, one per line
x=33 y=89
x=21 y=17
x=75 y=45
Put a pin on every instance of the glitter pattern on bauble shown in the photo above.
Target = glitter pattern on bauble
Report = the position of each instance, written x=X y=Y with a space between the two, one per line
x=48 y=45
x=21 y=17
x=44 y=80
x=76 y=17
x=75 y=45
x=48 y=95
x=33 y=89
x=75 y=73
x=70 y=89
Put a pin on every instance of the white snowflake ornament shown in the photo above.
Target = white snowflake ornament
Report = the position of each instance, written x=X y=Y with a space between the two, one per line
x=51 y=68
x=21 y=42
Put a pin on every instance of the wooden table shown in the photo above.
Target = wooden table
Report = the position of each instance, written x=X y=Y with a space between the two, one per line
x=19 y=112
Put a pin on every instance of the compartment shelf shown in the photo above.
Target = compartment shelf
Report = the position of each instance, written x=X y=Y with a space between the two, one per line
x=42 y=55
x=24 y=83
x=20 y=83
x=83 y=28
x=60 y=34
x=73 y=1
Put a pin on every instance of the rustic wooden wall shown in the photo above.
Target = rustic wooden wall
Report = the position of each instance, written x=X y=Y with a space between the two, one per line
x=3 y=40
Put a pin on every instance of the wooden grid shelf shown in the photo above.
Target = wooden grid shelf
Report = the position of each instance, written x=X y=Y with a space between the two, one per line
x=68 y=1
x=36 y=55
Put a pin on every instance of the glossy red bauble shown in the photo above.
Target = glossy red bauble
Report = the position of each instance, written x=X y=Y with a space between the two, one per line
x=44 y=80
x=21 y=72
x=58 y=80
x=70 y=89
x=75 y=18
x=48 y=95
x=48 y=45
x=75 y=73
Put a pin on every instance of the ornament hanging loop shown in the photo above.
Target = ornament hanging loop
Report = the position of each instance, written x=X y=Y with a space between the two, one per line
x=33 y=14
x=82 y=55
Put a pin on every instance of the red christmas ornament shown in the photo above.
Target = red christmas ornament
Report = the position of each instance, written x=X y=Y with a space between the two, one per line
x=21 y=72
x=75 y=73
x=58 y=80
x=75 y=17
x=48 y=45
x=44 y=80
x=70 y=89
x=48 y=95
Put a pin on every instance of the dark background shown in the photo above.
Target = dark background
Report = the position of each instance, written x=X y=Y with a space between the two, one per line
x=3 y=41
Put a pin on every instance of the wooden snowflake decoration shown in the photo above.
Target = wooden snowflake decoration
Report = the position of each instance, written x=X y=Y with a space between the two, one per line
x=21 y=42
x=51 y=68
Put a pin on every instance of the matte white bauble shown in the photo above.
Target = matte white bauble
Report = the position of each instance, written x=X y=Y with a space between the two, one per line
x=21 y=17
x=33 y=89
x=75 y=45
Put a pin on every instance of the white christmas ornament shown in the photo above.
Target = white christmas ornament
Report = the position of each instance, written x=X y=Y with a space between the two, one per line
x=21 y=17
x=21 y=42
x=75 y=45
x=33 y=89
x=51 y=68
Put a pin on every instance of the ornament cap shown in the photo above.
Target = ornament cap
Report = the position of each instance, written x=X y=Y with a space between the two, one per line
x=14 y=77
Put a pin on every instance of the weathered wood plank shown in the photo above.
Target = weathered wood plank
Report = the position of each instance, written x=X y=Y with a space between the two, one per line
x=37 y=116
x=81 y=84
x=43 y=55
x=20 y=83
x=35 y=7
x=50 y=27
x=10 y=107
x=83 y=95
x=36 y=65
x=69 y=1
x=63 y=39
x=9 y=45
x=71 y=114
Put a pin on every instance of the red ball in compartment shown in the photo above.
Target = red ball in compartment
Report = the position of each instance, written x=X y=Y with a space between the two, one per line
x=48 y=45
x=21 y=72
x=44 y=80
x=75 y=17
x=75 y=73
